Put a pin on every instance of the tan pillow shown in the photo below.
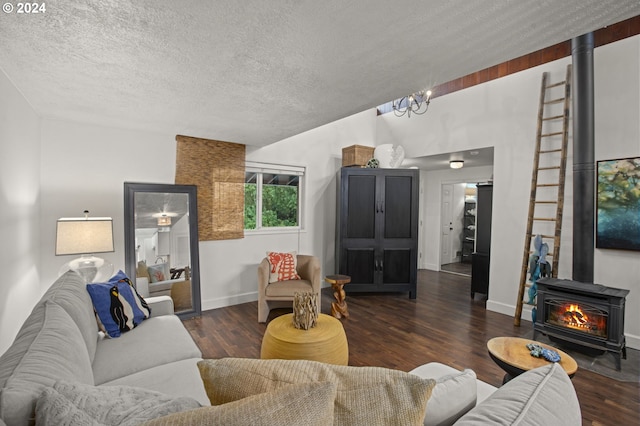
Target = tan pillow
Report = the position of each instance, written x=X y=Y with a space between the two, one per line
x=309 y=404
x=365 y=395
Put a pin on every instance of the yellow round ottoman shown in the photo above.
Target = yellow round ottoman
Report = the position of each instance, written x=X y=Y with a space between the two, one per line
x=326 y=342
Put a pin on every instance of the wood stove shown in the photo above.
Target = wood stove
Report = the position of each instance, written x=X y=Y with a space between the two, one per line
x=590 y=315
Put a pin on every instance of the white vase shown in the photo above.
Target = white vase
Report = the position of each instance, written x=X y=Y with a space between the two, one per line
x=389 y=156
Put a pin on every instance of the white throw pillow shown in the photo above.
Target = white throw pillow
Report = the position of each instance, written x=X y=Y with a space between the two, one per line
x=453 y=396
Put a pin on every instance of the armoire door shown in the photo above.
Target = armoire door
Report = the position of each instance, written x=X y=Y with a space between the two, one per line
x=396 y=244
x=358 y=228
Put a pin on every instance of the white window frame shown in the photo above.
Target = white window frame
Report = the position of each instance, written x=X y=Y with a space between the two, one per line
x=256 y=167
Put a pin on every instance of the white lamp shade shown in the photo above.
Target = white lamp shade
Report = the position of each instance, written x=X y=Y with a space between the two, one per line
x=84 y=235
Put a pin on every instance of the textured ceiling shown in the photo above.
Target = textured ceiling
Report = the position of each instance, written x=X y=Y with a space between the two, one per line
x=255 y=71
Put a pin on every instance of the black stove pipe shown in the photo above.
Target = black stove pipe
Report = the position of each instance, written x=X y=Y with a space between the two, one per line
x=583 y=158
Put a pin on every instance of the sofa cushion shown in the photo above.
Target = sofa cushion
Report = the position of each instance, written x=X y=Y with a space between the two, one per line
x=309 y=404
x=453 y=395
x=287 y=288
x=69 y=292
x=435 y=370
x=48 y=348
x=365 y=395
x=160 y=305
x=76 y=404
x=179 y=378
x=158 y=340
x=543 y=395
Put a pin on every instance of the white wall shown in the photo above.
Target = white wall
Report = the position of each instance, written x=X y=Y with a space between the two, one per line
x=20 y=285
x=502 y=113
x=84 y=167
x=617 y=135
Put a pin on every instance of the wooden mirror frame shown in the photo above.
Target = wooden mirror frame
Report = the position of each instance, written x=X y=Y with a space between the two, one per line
x=130 y=189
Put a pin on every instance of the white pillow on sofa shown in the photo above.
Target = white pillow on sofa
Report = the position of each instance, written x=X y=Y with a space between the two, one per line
x=453 y=395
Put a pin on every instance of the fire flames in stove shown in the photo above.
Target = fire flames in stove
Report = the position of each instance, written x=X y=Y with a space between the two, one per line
x=572 y=315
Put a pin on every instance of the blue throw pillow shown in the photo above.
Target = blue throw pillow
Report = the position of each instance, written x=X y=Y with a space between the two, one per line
x=139 y=300
x=118 y=306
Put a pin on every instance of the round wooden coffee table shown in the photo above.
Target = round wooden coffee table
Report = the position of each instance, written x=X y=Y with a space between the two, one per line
x=512 y=355
x=326 y=342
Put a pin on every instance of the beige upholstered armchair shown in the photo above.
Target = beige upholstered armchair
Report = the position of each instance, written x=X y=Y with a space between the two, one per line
x=280 y=293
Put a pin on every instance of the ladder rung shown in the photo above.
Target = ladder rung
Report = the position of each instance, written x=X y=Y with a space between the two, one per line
x=550 y=150
x=555 y=117
x=554 y=101
x=549 y=168
x=548 y=254
x=551 y=134
x=547 y=219
x=560 y=83
x=546 y=202
x=548 y=184
x=526 y=302
x=551 y=237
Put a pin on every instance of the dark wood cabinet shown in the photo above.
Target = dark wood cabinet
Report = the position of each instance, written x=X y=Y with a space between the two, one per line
x=377 y=229
x=482 y=255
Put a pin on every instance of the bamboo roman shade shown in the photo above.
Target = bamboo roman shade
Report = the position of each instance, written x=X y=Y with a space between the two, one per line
x=217 y=169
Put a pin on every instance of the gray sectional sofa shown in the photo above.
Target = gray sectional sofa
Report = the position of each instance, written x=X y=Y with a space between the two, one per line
x=60 y=342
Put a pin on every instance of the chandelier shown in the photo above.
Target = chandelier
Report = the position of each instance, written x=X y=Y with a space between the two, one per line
x=416 y=103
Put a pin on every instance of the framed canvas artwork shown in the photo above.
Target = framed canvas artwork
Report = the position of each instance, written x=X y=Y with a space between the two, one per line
x=618 y=214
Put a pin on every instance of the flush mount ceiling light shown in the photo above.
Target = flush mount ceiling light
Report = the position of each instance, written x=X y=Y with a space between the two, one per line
x=417 y=103
x=456 y=164
x=164 y=218
x=164 y=221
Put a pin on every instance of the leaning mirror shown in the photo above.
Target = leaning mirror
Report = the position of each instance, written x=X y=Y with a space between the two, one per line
x=161 y=243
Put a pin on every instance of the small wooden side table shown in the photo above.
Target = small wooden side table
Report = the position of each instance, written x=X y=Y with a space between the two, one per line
x=326 y=342
x=512 y=355
x=339 y=307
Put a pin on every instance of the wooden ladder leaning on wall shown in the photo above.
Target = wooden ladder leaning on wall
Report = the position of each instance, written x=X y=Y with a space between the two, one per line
x=554 y=160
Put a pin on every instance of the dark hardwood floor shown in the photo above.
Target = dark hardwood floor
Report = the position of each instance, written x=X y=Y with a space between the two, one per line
x=390 y=330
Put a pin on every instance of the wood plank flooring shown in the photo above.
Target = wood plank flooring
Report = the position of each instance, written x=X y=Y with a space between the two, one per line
x=390 y=330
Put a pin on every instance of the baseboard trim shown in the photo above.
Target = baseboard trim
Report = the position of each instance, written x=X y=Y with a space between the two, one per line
x=633 y=341
x=223 y=302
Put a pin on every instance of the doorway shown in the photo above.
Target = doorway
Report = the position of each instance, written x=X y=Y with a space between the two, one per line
x=457 y=241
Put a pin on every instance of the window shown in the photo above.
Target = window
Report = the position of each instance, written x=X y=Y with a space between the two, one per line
x=272 y=196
